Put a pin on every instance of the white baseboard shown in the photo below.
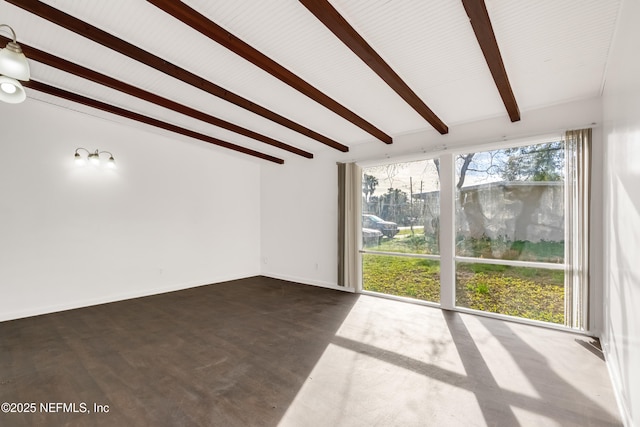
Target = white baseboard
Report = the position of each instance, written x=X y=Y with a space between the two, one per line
x=37 y=311
x=304 y=281
x=616 y=383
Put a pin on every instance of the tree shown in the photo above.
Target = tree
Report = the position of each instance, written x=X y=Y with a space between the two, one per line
x=543 y=162
x=540 y=162
x=395 y=206
x=369 y=184
x=466 y=165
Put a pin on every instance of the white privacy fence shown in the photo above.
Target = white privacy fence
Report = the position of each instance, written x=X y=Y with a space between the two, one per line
x=531 y=211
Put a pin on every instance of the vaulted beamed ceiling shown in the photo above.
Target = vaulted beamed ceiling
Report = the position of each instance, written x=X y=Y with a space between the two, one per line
x=278 y=79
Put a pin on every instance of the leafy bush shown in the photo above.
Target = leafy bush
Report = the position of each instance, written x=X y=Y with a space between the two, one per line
x=500 y=248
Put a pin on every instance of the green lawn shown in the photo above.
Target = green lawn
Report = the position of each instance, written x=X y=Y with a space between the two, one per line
x=406 y=277
x=404 y=242
x=407 y=231
x=531 y=293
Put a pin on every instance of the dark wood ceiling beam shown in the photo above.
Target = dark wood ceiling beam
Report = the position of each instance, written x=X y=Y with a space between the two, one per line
x=99 y=36
x=481 y=24
x=218 y=34
x=332 y=19
x=60 y=93
x=80 y=71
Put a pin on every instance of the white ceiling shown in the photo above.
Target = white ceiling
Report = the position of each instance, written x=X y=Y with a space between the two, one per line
x=554 y=51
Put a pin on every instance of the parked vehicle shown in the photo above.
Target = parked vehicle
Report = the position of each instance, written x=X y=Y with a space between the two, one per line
x=387 y=228
x=371 y=237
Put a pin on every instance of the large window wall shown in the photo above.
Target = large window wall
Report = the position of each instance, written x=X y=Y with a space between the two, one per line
x=476 y=230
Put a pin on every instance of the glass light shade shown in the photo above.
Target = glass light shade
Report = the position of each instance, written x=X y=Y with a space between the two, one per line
x=79 y=160
x=11 y=90
x=13 y=63
x=111 y=163
x=8 y=88
x=94 y=158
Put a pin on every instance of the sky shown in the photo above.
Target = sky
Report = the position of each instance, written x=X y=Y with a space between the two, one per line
x=424 y=176
x=397 y=175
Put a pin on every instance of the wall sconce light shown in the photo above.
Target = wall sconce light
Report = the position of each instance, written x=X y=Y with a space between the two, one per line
x=93 y=157
x=13 y=67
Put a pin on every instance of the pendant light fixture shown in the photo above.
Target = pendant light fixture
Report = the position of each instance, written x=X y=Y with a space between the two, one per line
x=13 y=67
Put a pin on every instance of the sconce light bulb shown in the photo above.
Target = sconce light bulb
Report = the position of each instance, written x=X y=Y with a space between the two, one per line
x=111 y=163
x=94 y=158
x=78 y=159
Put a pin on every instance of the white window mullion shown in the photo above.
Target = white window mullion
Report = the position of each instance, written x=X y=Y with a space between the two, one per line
x=447 y=232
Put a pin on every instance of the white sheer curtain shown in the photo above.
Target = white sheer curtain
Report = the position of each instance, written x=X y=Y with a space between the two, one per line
x=577 y=196
x=349 y=208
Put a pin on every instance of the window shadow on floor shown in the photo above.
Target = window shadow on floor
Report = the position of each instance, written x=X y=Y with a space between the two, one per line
x=494 y=403
x=560 y=399
x=556 y=399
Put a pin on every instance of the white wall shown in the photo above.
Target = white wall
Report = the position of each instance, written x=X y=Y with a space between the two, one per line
x=299 y=220
x=621 y=100
x=176 y=213
x=299 y=200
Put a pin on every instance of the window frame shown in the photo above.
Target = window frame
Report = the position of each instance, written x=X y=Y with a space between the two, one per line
x=447 y=256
